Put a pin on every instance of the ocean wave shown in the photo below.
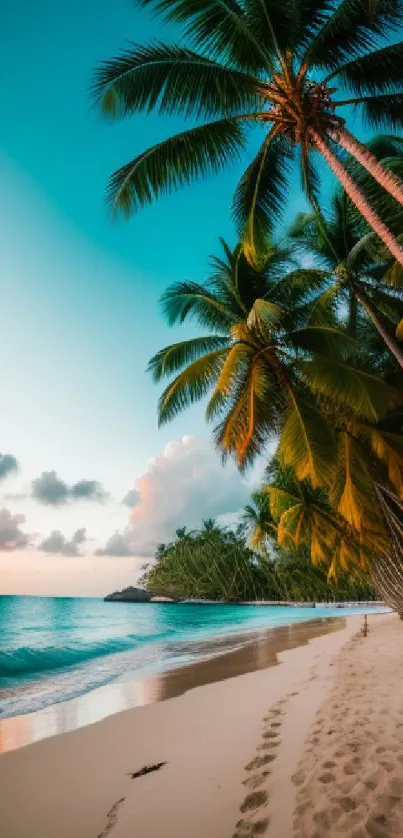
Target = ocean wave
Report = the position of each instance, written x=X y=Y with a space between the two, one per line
x=29 y=660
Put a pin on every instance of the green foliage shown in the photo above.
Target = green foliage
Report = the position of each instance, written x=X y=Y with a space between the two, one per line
x=216 y=564
x=210 y=564
x=267 y=363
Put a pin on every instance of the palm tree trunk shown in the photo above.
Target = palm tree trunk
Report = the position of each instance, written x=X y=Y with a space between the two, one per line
x=387 y=338
x=358 y=198
x=385 y=178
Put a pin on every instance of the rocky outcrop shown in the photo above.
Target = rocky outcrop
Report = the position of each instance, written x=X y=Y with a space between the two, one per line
x=129 y=594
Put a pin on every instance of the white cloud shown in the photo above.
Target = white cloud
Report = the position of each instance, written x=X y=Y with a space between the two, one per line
x=181 y=486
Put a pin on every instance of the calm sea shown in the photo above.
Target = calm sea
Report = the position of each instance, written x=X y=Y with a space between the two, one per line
x=53 y=649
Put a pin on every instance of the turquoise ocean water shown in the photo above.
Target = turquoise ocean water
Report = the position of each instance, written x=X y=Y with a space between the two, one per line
x=53 y=649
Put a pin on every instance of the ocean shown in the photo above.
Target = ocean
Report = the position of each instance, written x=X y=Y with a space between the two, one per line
x=55 y=649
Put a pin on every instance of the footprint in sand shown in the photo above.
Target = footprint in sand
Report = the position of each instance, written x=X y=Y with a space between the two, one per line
x=254 y=801
x=298 y=778
x=255 y=780
x=249 y=829
x=270 y=734
x=266 y=746
x=347 y=804
x=326 y=778
x=259 y=762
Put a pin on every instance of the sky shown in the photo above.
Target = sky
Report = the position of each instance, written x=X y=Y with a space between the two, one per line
x=93 y=484
x=80 y=317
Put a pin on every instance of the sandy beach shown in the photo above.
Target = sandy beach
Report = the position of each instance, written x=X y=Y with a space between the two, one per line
x=309 y=747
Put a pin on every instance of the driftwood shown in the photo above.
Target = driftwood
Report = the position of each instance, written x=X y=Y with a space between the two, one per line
x=147 y=770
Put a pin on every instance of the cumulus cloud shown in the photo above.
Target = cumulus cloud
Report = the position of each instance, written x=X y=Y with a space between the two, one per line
x=57 y=543
x=8 y=465
x=132 y=497
x=11 y=536
x=119 y=544
x=50 y=489
x=88 y=489
x=181 y=486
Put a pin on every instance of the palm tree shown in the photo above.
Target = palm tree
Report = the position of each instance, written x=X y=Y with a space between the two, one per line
x=269 y=374
x=276 y=66
x=183 y=534
x=351 y=276
x=258 y=523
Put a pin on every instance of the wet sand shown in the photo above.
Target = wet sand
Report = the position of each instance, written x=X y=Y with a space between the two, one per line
x=255 y=650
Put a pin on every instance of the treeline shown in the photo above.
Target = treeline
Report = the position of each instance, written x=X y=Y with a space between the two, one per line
x=216 y=563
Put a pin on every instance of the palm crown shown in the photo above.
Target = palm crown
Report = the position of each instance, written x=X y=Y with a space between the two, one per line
x=260 y=63
x=270 y=374
x=353 y=281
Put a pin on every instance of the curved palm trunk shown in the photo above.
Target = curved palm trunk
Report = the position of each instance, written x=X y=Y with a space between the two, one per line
x=360 y=201
x=387 y=569
x=387 y=338
x=385 y=178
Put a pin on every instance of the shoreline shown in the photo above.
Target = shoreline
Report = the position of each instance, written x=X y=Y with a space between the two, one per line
x=225 y=657
x=224 y=771
x=112 y=681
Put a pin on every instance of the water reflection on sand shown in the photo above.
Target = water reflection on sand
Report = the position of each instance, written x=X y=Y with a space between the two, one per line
x=253 y=651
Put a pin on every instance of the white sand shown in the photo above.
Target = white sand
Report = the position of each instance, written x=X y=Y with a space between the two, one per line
x=236 y=763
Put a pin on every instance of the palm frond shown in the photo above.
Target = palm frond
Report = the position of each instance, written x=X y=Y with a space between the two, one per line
x=185 y=300
x=389 y=449
x=351 y=493
x=309 y=17
x=249 y=421
x=307 y=444
x=173 y=80
x=235 y=366
x=190 y=385
x=273 y=21
x=295 y=289
x=280 y=500
x=320 y=310
x=366 y=395
x=260 y=197
x=310 y=181
x=175 y=162
x=264 y=316
x=172 y=358
x=381 y=111
x=394 y=275
x=353 y=28
x=375 y=72
x=325 y=340
x=221 y=26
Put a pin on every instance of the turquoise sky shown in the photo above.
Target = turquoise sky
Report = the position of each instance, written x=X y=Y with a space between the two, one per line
x=79 y=293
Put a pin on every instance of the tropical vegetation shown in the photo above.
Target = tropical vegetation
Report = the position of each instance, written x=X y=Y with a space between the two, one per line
x=295 y=71
x=297 y=350
x=215 y=563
